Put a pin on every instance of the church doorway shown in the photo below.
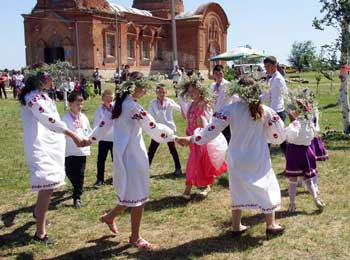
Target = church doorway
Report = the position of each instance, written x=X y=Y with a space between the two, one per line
x=52 y=55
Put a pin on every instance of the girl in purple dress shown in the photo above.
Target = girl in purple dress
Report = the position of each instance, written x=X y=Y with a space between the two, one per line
x=300 y=157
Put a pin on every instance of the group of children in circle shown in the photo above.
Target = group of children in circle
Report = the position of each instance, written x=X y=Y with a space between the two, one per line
x=118 y=127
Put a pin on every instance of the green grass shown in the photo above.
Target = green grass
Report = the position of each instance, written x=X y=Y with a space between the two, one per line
x=198 y=229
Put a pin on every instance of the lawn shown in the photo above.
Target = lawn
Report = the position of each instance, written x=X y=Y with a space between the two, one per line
x=198 y=229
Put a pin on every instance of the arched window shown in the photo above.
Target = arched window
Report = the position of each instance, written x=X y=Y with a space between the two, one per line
x=131 y=40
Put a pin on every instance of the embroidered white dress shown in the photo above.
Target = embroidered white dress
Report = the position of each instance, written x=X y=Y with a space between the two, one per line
x=44 y=141
x=131 y=167
x=253 y=183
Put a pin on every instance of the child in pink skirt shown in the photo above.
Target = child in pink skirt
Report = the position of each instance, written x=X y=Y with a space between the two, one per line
x=200 y=171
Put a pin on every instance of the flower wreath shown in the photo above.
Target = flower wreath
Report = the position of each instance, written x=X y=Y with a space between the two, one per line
x=303 y=102
x=250 y=94
x=185 y=84
x=147 y=83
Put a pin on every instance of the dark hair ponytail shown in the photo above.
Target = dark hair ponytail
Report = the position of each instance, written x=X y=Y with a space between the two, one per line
x=31 y=83
x=118 y=104
x=120 y=97
x=256 y=110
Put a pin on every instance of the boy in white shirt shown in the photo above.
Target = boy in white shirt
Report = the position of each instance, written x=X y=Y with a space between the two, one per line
x=161 y=109
x=105 y=145
x=278 y=90
x=75 y=161
x=221 y=99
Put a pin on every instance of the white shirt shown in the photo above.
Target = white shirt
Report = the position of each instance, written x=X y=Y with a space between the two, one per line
x=300 y=132
x=164 y=114
x=176 y=75
x=44 y=142
x=278 y=90
x=253 y=183
x=130 y=160
x=19 y=80
x=100 y=113
x=221 y=99
x=82 y=129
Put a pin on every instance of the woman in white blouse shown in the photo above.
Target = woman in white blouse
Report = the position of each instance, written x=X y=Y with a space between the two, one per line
x=44 y=145
x=253 y=184
x=131 y=167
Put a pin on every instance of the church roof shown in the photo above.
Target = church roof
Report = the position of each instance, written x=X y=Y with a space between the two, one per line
x=122 y=9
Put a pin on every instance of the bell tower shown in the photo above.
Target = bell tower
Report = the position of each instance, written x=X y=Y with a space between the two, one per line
x=159 y=8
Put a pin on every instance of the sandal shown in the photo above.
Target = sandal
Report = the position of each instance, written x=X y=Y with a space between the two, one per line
x=320 y=204
x=111 y=225
x=186 y=196
x=240 y=232
x=204 y=193
x=275 y=231
x=142 y=244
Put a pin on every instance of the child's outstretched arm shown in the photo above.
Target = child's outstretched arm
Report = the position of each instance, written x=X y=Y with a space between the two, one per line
x=275 y=130
x=101 y=129
x=158 y=132
x=220 y=121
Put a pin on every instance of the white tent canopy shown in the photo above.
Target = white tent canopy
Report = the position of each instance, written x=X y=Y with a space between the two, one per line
x=238 y=53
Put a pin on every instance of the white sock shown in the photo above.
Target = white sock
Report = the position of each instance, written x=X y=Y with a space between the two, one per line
x=315 y=182
x=292 y=191
x=311 y=188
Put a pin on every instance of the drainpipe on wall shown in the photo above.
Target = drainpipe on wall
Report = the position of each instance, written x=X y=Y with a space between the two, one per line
x=173 y=23
x=117 y=36
x=78 y=48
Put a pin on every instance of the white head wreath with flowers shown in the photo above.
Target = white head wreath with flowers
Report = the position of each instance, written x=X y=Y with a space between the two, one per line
x=249 y=94
x=185 y=84
x=147 y=83
x=302 y=101
x=58 y=71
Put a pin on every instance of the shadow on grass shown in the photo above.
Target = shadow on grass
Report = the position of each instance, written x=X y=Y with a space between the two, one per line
x=202 y=247
x=171 y=202
x=103 y=248
x=8 y=218
x=25 y=256
x=223 y=181
x=167 y=176
x=260 y=218
x=18 y=237
x=329 y=106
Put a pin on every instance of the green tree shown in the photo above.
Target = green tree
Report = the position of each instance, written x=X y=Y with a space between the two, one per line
x=337 y=15
x=302 y=55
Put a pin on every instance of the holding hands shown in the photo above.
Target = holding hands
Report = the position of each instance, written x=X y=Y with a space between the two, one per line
x=183 y=141
x=79 y=141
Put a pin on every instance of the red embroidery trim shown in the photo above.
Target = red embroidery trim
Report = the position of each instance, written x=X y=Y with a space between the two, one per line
x=132 y=201
x=255 y=206
x=46 y=186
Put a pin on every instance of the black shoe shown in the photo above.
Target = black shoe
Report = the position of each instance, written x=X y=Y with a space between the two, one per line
x=177 y=172
x=45 y=240
x=99 y=184
x=77 y=203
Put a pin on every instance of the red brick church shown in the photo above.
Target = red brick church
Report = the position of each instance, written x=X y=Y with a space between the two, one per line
x=86 y=32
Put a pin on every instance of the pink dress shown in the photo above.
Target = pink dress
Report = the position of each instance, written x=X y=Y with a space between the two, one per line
x=199 y=171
